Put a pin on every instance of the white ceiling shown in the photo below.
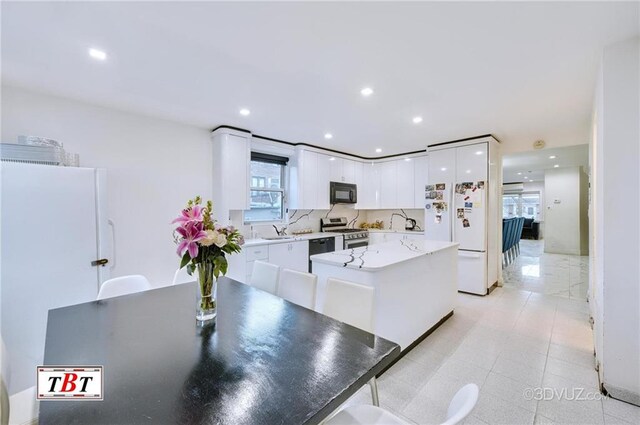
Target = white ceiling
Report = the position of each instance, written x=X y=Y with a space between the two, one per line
x=521 y=71
x=533 y=164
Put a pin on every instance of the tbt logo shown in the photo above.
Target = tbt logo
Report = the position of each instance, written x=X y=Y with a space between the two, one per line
x=69 y=382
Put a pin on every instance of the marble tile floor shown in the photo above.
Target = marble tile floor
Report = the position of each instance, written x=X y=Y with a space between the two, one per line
x=507 y=342
x=551 y=274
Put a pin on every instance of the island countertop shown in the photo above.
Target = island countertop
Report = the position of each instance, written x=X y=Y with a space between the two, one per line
x=379 y=256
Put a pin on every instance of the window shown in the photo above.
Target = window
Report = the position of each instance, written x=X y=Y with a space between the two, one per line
x=525 y=205
x=267 y=188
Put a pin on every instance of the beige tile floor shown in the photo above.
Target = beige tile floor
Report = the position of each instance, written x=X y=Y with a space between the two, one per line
x=507 y=342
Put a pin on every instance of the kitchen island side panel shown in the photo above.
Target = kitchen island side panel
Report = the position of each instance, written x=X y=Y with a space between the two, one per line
x=410 y=297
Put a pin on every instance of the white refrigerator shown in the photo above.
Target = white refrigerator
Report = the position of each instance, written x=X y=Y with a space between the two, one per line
x=461 y=206
x=54 y=228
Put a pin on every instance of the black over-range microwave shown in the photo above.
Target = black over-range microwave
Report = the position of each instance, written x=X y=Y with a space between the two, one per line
x=342 y=193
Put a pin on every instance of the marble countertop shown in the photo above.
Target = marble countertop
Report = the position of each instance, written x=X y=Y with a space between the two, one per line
x=419 y=232
x=378 y=256
x=301 y=237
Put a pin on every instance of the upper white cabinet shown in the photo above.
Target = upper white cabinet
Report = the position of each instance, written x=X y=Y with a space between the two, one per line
x=388 y=184
x=391 y=184
x=231 y=168
x=323 y=178
x=368 y=182
x=342 y=170
x=405 y=183
x=309 y=181
x=397 y=184
x=348 y=171
x=442 y=166
x=420 y=180
x=471 y=163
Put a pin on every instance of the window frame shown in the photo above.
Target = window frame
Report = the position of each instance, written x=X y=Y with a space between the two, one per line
x=282 y=190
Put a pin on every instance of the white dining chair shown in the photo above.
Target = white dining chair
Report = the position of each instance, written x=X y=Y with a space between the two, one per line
x=352 y=303
x=181 y=276
x=348 y=302
x=265 y=276
x=461 y=405
x=123 y=285
x=298 y=287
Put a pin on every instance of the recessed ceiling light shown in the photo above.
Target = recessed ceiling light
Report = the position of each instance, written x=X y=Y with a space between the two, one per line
x=526 y=177
x=417 y=120
x=556 y=166
x=328 y=136
x=519 y=174
x=332 y=159
x=378 y=150
x=407 y=159
x=366 y=92
x=443 y=169
x=552 y=157
x=244 y=112
x=97 y=54
x=468 y=171
x=478 y=152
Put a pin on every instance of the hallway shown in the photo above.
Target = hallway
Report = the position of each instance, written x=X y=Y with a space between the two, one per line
x=550 y=274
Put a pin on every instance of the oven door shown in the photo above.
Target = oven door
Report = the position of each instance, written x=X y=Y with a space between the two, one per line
x=356 y=243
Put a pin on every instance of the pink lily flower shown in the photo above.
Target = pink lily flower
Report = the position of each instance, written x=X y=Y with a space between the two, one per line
x=189 y=215
x=191 y=234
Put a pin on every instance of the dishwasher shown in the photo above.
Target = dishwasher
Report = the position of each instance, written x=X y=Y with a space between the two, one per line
x=321 y=246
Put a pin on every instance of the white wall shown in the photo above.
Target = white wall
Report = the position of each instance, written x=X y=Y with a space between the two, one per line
x=564 y=206
x=153 y=167
x=615 y=273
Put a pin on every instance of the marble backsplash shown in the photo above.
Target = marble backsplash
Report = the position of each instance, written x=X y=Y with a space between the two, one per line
x=310 y=219
x=394 y=219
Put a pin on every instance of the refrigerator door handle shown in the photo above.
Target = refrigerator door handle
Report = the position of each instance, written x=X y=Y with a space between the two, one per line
x=113 y=243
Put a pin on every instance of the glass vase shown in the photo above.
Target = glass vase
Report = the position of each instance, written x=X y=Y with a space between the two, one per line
x=206 y=301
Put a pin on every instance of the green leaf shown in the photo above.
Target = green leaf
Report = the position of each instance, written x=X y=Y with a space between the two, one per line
x=185 y=260
x=220 y=264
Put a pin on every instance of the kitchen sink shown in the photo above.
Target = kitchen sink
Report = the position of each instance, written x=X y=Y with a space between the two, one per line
x=277 y=238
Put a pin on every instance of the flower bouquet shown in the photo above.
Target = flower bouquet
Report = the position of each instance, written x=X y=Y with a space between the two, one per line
x=203 y=245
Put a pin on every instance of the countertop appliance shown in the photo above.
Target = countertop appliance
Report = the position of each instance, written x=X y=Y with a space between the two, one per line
x=48 y=263
x=462 y=200
x=410 y=224
x=321 y=246
x=353 y=238
x=342 y=193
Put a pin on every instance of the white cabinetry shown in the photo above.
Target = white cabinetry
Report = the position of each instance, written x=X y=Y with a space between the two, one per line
x=420 y=180
x=290 y=255
x=376 y=238
x=231 y=168
x=309 y=181
x=405 y=187
x=397 y=184
x=381 y=185
x=388 y=184
x=323 y=179
x=342 y=170
x=368 y=182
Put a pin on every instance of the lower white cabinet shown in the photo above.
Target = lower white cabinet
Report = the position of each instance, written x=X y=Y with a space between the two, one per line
x=382 y=237
x=290 y=255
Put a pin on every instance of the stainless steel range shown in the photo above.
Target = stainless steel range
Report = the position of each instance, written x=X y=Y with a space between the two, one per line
x=353 y=238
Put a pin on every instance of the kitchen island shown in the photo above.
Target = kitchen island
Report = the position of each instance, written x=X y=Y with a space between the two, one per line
x=415 y=283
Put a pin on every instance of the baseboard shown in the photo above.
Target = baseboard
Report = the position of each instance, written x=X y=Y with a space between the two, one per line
x=417 y=341
x=24 y=407
x=621 y=394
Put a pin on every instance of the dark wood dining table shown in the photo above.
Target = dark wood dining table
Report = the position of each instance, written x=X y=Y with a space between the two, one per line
x=264 y=360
